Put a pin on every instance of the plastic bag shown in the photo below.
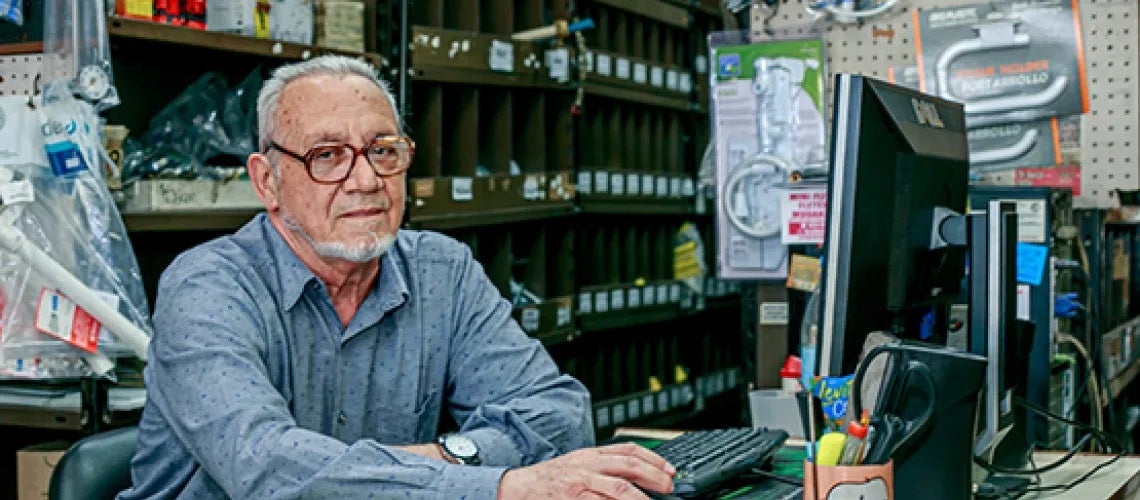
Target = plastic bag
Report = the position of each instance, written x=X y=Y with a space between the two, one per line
x=12 y=11
x=58 y=201
x=77 y=53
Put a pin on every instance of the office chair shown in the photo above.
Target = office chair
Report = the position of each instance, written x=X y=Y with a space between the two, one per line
x=96 y=467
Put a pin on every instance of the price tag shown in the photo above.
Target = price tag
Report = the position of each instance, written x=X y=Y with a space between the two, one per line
x=617 y=413
x=685 y=83
x=634 y=298
x=585 y=303
x=699 y=303
x=663 y=401
x=530 y=319
x=731 y=379
x=686 y=299
x=502 y=56
x=601 y=301
x=662 y=294
x=674 y=292
x=633 y=408
x=662 y=186
x=647 y=405
x=602 y=181
x=647 y=185
x=622 y=70
x=17 y=192
x=617 y=184
x=462 y=189
x=585 y=182
x=649 y=296
x=602 y=417
x=640 y=73
x=688 y=187
x=718 y=381
x=562 y=317
x=675 y=186
x=531 y=188
x=633 y=184
x=657 y=76
x=687 y=393
x=672 y=80
x=701 y=64
x=678 y=395
x=589 y=61
x=558 y=64
x=617 y=299
x=605 y=64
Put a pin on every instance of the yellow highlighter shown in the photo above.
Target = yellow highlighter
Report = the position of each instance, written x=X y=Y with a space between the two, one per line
x=830 y=448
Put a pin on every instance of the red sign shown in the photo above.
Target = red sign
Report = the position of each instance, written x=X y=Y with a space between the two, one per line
x=1062 y=177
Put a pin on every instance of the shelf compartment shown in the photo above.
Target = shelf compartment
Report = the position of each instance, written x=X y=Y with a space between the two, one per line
x=454 y=56
x=673 y=400
x=551 y=322
x=452 y=202
x=617 y=306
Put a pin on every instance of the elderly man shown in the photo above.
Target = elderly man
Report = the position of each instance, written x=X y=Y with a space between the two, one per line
x=312 y=353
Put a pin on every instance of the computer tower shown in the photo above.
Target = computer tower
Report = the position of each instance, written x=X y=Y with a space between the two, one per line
x=1040 y=210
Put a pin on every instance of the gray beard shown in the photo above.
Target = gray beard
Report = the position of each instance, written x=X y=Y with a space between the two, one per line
x=360 y=253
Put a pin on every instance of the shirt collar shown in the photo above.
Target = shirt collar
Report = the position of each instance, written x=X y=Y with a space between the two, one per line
x=391 y=288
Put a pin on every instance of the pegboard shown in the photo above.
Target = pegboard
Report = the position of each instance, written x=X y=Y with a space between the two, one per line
x=1110 y=137
x=19 y=72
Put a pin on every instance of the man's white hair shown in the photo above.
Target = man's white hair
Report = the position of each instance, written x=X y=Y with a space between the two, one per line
x=333 y=65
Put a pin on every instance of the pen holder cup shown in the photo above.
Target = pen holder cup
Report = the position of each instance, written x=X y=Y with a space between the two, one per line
x=867 y=482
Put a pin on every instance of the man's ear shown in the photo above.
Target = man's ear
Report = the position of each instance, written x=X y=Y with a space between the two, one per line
x=265 y=184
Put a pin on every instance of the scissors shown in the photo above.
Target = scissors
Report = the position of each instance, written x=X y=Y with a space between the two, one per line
x=901 y=415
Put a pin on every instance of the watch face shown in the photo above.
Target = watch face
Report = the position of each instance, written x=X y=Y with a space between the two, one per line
x=461 y=446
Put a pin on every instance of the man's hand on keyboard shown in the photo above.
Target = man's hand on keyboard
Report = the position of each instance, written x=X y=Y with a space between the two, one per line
x=615 y=471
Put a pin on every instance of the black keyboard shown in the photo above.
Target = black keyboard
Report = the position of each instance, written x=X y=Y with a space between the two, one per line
x=707 y=459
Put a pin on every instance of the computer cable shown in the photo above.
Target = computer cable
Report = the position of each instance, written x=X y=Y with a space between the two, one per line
x=1092 y=380
x=747 y=198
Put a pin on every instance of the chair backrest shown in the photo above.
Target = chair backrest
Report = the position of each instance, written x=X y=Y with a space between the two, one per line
x=96 y=467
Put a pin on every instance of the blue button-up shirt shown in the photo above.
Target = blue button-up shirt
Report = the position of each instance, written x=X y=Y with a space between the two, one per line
x=255 y=390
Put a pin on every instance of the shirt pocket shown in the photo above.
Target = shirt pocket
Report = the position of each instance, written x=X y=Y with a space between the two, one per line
x=400 y=427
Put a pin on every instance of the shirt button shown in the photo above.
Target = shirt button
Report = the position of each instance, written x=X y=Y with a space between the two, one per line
x=341 y=418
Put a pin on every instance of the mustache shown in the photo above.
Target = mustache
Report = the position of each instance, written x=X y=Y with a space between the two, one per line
x=369 y=204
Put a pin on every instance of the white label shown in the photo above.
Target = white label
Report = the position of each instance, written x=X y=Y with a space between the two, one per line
x=649 y=296
x=718 y=382
x=647 y=185
x=677 y=395
x=617 y=184
x=674 y=292
x=17 y=192
x=602 y=417
x=675 y=186
x=686 y=299
x=531 y=188
x=530 y=319
x=563 y=316
x=701 y=64
x=686 y=393
x=58 y=316
x=685 y=85
x=634 y=298
x=803 y=216
x=589 y=61
x=657 y=76
x=672 y=79
x=585 y=183
x=617 y=413
x=688 y=188
x=640 y=73
x=662 y=401
x=1031 y=223
x=602 y=181
x=1024 y=302
x=617 y=299
x=622 y=71
x=773 y=313
x=662 y=294
x=558 y=64
x=647 y=405
x=633 y=184
x=502 y=56
x=585 y=303
x=662 y=186
x=462 y=189
x=601 y=301
x=731 y=379
x=633 y=408
x=605 y=65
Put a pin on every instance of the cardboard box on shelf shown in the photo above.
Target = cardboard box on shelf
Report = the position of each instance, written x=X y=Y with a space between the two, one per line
x=290 y=20
x=284 y=20
x=340 y=25
x=34 y=466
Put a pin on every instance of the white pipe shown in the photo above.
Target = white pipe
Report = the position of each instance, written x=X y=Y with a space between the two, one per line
x=61 y=279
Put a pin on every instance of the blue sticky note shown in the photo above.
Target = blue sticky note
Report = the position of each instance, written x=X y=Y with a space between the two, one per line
x=1031 y=259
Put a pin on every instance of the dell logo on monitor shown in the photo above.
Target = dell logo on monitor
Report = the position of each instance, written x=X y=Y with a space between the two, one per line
x=927 y=113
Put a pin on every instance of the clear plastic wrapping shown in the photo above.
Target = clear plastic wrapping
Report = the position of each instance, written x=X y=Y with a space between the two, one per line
x=53 y=198
x=77 y=52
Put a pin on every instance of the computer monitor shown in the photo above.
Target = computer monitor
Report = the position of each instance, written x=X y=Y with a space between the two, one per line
x=899 y=167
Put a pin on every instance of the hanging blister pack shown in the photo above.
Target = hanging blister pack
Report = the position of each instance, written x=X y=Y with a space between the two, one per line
x=77 y=53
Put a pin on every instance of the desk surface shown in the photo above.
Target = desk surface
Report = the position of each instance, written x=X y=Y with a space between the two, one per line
x=1121 y=480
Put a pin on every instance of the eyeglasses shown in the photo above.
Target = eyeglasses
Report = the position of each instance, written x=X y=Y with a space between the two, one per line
x=332 y=163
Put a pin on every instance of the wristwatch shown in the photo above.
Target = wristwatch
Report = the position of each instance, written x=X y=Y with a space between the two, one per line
x=460 y=447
